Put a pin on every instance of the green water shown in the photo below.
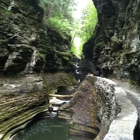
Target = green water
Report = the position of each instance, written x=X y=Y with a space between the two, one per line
x=51 y=129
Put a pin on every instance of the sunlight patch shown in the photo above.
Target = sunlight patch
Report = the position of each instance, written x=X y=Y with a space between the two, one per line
x=77 y=43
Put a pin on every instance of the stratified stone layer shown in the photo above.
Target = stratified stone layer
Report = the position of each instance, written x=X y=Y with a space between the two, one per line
x=114 y=47
x=99 y=109
x=21 y=98
x=27 y=44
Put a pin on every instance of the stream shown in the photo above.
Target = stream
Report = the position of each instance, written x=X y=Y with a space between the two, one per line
x=49 y=129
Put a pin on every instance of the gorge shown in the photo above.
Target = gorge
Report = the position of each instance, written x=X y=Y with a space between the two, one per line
x=35 y=61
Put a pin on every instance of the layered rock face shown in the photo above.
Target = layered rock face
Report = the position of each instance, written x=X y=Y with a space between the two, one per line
x=82 y=111
x=21 y=98
x=28 y=49
x=114 y=47
x=91 y=109
x=99 y=110
x=26 y=44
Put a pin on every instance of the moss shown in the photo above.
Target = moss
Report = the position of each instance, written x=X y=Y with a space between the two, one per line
x=100 y=44
x=16 y=110
x=66 y=58
x=17 y=122
x=55 y=80
x=64 y=53
x=4 y=11
x=41 y=55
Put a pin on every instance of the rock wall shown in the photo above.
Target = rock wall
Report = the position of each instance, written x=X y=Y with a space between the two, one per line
x=29 y=52
x=82 y=110
x=122 y=120
x=26 y=43
x=114 y=46
x=99 y=110
x=21 y=98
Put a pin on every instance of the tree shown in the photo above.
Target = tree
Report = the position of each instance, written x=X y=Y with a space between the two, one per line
x=58 y=14
x=89 y=21
x=86 y=26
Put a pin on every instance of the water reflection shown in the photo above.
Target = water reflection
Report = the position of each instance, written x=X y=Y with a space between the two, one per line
x=51 y=129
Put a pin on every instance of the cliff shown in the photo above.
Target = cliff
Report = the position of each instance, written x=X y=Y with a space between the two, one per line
x=29 y=52
x=35 y=61
x=114 y=46
x=27 y=44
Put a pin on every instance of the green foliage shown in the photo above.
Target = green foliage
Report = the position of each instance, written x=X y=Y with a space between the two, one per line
x=60 y=24
x=86 y=27
x=58 y=14
x=89 y=21
x=76 y=46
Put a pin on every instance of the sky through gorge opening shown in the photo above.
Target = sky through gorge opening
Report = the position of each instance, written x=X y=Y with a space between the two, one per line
x=75 y=18
x=85 y=18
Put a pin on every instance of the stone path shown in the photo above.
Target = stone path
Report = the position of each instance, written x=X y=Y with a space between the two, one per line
x=123 y=126
x=133 y=93
x=135 y=98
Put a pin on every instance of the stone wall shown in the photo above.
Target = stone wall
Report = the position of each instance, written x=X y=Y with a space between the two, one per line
x=28 y=49
x=118 y=110
x=22 y=97
x=27 y=44
x=114 y=47
x=99 y=109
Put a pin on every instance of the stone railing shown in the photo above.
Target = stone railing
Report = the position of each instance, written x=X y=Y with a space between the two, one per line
x=118 y=111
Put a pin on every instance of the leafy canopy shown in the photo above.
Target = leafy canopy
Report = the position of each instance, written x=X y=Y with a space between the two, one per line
x=58 y=14
x=85 y=27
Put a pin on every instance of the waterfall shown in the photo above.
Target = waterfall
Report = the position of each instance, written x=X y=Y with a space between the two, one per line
x=11 y=4
x=30 y=65
x=33 y=59
x=8 y=62
x=78 y=72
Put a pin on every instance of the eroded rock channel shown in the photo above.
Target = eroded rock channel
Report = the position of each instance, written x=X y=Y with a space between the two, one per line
x=97 y=110
x=36 y=64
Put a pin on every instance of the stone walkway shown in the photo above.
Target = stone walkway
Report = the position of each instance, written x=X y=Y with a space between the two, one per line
x=135 y=98
x=123 y=126
x=133 y=93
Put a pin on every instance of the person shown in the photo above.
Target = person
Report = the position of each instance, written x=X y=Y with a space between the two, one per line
x=96 y=73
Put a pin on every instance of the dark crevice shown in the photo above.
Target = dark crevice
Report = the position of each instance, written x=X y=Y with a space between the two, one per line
x=137 y=130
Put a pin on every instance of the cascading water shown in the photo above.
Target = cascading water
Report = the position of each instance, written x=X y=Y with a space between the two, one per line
x=9 y=60
x=78 y=73
x=11 y=4
x=31 y=64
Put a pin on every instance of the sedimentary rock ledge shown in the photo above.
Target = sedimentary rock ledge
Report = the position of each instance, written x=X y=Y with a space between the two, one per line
x=100 y=104
x=123 y=125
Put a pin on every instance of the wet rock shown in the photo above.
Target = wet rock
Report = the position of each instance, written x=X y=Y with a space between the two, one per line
x=99 y=110
x=28 y=48
x=22 y=97
x=23 y=32
x=57 y=102
x=82 y=111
